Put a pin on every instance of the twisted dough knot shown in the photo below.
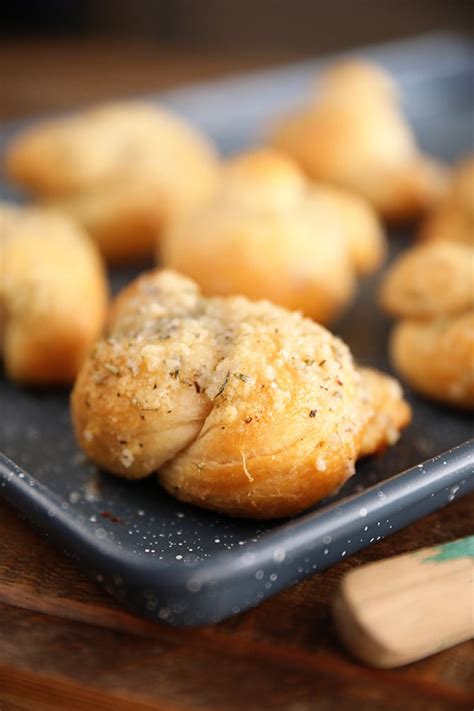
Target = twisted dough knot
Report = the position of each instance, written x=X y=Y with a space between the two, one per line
x=430 y=288
x=122 y=170
x=269 y=233
x=244 y=407
x=453 y=217
x=353 y=135
x=53 y=295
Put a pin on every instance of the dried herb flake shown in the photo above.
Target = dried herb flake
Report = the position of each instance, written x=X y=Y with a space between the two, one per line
x=222 y=387
x=242 y=377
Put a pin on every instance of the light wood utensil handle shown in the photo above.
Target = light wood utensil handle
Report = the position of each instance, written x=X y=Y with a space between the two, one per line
x=404 y=608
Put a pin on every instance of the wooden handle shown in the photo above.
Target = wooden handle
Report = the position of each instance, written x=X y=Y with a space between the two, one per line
x=401 y=609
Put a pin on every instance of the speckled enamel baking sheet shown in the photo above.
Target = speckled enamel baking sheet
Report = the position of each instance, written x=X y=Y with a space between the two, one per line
x=174 y=562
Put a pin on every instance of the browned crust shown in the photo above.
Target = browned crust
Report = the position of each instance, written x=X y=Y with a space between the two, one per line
x=243 y=407
x=121 y=170
x=53 y=295
x=268 y=233
x=353 y=135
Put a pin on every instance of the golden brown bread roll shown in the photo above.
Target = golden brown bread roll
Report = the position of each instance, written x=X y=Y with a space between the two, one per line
x=52 y=295
x=453 y=217
x=431 y=288
x=119 y=169
x=429 y=280
x=387 y=412
x=354 y=135
x=437 y=357
x=244 y=407
x=268 y=233
x=362 y=229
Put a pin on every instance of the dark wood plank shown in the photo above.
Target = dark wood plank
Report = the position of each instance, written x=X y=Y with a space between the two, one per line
x=78 y=661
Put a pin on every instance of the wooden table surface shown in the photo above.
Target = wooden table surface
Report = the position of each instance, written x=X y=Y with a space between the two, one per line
x=66 y=645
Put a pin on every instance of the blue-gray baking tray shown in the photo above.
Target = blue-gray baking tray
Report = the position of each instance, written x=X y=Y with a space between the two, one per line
x=185 y=566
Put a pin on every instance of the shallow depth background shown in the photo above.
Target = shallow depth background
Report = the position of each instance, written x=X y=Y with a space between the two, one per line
x=303 y=25
x=61 y=53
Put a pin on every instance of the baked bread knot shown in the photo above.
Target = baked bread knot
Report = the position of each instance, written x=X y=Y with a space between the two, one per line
x=354 y=135
x=243 y=407
x=268 y=233
x=53 y=295
x=430 y=280
x=453 y=217
x=387 y=413
x=122 y=170
x=431 y=289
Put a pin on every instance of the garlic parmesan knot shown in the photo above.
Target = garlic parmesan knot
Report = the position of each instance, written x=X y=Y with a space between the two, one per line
x=353 y=134
x=268 y=233
x=53 y=295
x=453 y=217
x=122 y=170
x=430 y=288
x=243 y=407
